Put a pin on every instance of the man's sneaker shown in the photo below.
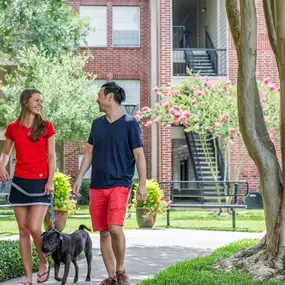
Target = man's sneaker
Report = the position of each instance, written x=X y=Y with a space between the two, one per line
x=109 y=281
x=122 y=277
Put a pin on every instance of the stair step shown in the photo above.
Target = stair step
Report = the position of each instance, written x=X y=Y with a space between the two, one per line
x=201 y=62
x=211 y=178
x=203 y=57
x=212 y=187
x=203 y=65
x=208 y=172
x=204 y=70
x=208 y=74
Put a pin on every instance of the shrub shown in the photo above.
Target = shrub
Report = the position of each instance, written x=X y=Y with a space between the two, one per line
x=155 y=202
x=84 y=192
x=11 y=265
x=62 y=189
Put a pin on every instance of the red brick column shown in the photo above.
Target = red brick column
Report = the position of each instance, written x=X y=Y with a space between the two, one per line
x=71 y=152
x=165 y=137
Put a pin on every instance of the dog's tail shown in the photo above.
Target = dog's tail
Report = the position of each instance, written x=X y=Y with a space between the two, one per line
x=82 y=227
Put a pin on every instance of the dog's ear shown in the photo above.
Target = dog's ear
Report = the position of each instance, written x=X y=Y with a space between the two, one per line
x=59 y=235
x=43 y=234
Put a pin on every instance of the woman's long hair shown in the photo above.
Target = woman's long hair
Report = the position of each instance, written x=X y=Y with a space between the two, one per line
x=38 y=127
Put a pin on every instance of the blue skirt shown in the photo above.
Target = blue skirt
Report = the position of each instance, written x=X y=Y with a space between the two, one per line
x=31 y=186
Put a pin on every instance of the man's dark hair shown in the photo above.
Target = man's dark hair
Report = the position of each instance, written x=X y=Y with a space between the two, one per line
x=119 y=92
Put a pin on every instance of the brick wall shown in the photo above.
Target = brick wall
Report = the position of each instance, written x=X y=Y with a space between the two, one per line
x=122 y=63
x=266 y=67
x=165 y=153
x=70 y=152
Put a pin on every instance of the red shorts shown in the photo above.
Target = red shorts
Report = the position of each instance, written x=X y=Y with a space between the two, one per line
x=108 y=207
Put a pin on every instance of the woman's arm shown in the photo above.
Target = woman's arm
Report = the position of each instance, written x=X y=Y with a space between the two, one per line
x=4 y=158
x=51 y=164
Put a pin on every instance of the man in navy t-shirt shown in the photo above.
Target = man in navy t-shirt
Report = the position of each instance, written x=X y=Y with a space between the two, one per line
x=114 y=147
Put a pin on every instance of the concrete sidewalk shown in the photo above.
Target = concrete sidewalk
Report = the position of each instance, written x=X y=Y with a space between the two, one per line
x=151 y=250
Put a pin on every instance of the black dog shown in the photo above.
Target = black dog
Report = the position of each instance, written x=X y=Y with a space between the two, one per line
x=65 y=248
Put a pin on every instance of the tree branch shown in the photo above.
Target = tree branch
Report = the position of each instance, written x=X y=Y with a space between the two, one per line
x=234 y=19
x=269 y=8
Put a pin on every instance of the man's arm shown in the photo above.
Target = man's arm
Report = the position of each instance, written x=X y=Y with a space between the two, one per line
x=85 y=165
x=141 y=167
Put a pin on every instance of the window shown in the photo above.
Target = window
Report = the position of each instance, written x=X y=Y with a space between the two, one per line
x=126 y=26
x=132 y=90
x=88 y=173
x=98 y=16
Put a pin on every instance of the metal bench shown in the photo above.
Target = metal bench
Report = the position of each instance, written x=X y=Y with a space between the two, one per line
x=4 y=193
x=206 y=195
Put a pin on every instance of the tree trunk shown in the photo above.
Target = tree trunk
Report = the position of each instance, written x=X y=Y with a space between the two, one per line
x=280 y=58
x=243 y=25
x=252 y=125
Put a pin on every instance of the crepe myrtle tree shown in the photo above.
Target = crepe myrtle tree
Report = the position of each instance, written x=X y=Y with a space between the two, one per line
x=68 y=91
x=210 y=110
x=266 y=260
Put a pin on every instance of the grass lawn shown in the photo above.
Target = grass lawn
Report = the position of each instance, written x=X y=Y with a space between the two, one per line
x=246 y=221
x=200 y=270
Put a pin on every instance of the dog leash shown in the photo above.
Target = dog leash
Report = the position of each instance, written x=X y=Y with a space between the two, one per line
x=38 y=195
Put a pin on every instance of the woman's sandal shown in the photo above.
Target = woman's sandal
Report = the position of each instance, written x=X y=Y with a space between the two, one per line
x=41 y=275
x=26 y=283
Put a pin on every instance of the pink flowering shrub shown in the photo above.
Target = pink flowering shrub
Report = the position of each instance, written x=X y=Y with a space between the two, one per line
x=197 y=105
x=205 y=107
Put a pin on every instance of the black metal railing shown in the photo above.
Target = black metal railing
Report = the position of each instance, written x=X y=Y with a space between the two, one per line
x=190 y=140
x=178 y=36
x=179 y=192
x=183 y=58
x=213 y=56
x=219 y=155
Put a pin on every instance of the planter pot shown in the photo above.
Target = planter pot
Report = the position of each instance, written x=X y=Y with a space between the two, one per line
x=60 y=219
x=144 y=219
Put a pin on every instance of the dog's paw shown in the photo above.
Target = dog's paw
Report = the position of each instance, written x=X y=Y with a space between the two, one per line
x=87 y=279
x=58 y=279
x=75 y=280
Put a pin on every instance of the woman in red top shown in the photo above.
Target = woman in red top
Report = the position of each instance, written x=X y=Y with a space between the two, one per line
x=34 y=142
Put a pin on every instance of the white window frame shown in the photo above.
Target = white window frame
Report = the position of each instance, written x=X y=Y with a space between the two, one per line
x=139 y=26
x=129 y=98
x=88 y=172
x=124 y=84
x=93 y=33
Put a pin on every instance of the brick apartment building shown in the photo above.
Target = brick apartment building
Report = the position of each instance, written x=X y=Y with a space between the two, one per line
x=145 y=43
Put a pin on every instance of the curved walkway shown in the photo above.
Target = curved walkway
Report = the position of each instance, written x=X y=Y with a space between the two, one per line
x=151 y=250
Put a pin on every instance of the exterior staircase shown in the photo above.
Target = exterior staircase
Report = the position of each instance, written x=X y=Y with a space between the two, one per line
x=201 y=63
x=202 y=170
